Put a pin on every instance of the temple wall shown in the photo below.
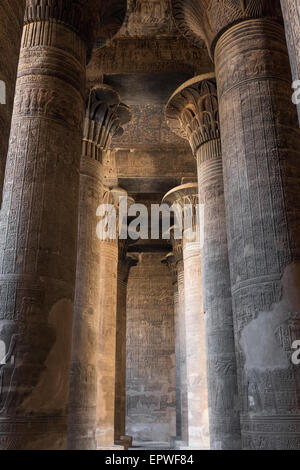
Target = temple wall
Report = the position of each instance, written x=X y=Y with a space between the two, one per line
x=150 y=352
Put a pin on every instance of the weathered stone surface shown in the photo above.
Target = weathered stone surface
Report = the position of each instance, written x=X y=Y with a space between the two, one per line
x=125 y=263
x=260 y=146
x=175 y=262
x=207 y=19
x=170 y=261
x=105 y=433
x=11 y=25
x=260 y=140
x=37 y=247
x=45 y=180
x=150 y=352
x=192 y=112
x=291 y=15
x=103 y=119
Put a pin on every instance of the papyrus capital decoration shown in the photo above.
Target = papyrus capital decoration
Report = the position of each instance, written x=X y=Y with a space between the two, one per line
x=184 y=200
x=208 y=19
x=105 y=117
x=192 y=111
x=73 y=14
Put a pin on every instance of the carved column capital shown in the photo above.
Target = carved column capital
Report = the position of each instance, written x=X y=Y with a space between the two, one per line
x=111 y=197
x=73 y=14
x=105 y=117
x=177 y=245
x=186 y=194
x=184 y=200
x=92 y=20
x=208 y=19
x=192 y=111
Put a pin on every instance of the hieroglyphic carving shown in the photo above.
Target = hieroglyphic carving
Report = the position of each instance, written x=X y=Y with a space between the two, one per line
x=150 y=352
x=260 y=142
x=104 y=118
x=148 y=18
x=40 y=194
x=291 y=15
x=125 y=263
x=11 y=14
x=148 y=55
x=198 y=426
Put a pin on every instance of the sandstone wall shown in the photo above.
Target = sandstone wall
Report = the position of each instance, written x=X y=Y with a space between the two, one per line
x=150 y=352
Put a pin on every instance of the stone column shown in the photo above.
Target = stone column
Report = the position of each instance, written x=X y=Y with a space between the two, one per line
x=170 y=261
x=178 y=253
x=125 y=263
x=104 y=118
x=261 y=155
x=198 y=427
x=38 y=236
x=177 y=267
x=192 y=113
x=109 y=254
x=11 y=25
x=291 y=15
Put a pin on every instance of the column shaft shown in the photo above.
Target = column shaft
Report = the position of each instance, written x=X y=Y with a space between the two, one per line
x=177 y=360
x=120 y=387
x=11 y=25
x=38 y=242
x=171 y=261
x=192 y=112
x=125 y=263
x=198 y=426
x=181 y=339
x=107 y=344
x=85 y=351
x=221 y=361
x=103 y=118
x=291 y=15
x=261 y=151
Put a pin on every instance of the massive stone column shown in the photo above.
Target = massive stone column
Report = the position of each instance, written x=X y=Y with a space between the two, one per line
x=11 y=25
x=125 y=263
x=174 y=261
x=261 y=151
x=198 y=427
x=192 y=113
x=104 y=118
x=109 y=254
x=178 y=253
x=38 y=241
x=170 y=261
x=291 y=15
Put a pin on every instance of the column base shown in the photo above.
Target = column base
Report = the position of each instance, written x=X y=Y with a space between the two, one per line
x=176 y=443
x=126 y=441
